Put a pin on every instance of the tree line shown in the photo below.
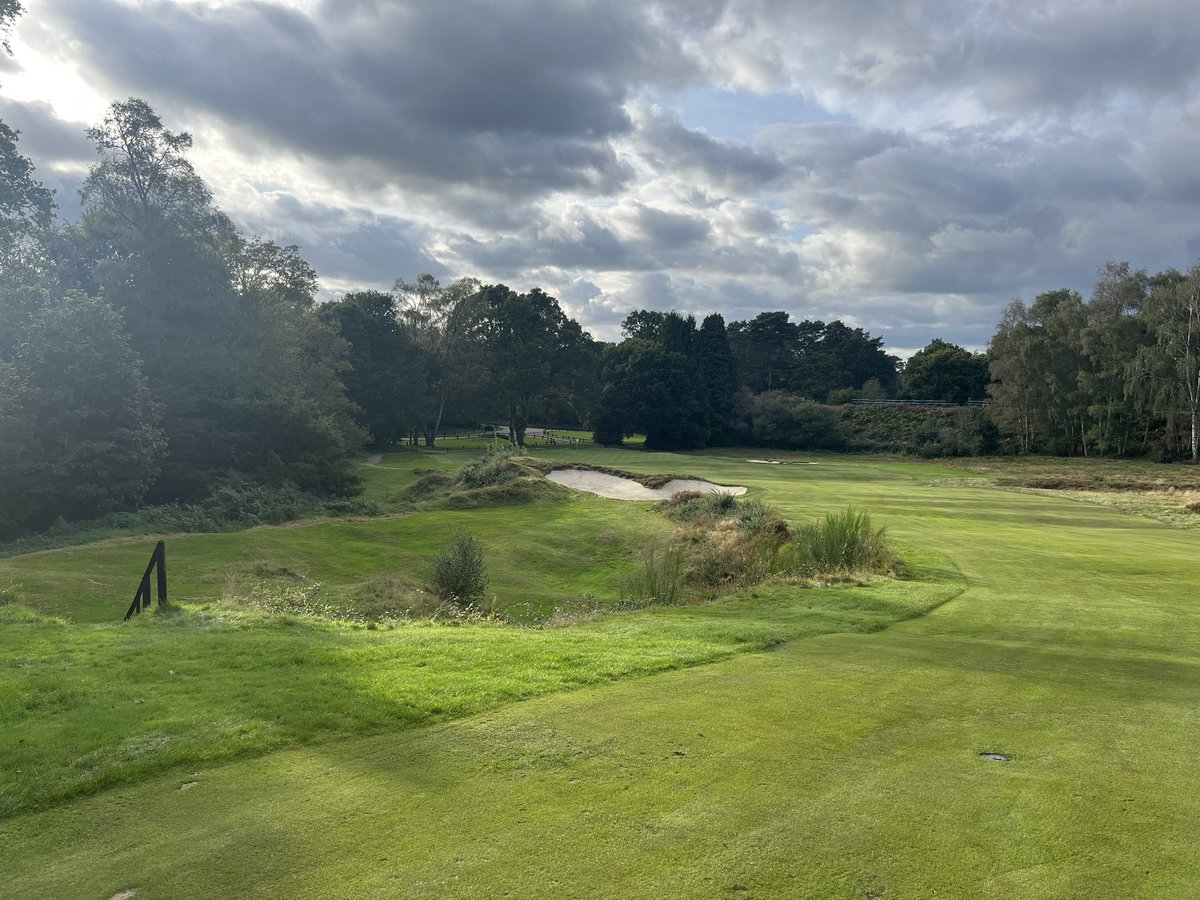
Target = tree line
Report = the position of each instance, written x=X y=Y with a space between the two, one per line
x=152 y=353
x=1116 y=375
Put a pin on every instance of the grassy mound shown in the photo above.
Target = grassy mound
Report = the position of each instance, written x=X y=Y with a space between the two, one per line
x=498 y=478
x=726 y=543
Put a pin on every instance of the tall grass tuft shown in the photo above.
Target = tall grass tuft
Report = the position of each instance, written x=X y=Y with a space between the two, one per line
x=844 y=543
x=658 y=577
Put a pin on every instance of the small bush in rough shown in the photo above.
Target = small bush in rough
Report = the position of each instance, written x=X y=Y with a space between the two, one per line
x=458 y=572
x=494 y=468
x=755 y=516
x=721 y=502
x=842 y=544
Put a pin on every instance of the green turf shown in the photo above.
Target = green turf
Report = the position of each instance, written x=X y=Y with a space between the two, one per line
x=632 y=440
x=537 y=554
x=843 y=765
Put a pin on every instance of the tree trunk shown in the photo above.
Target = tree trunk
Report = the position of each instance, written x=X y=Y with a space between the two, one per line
x=437 y=424
x=1195 y=444
x=517 y=424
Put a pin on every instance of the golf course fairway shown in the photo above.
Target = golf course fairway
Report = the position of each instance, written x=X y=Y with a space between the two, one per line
x=763 y=757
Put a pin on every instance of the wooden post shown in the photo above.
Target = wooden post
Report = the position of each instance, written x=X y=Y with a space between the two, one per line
x=141 y=599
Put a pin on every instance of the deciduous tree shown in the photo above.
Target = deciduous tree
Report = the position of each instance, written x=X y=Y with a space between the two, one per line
x=1168 y=371
x=944 y=372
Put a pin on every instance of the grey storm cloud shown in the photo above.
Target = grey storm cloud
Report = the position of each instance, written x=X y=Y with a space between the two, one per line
x=520 y=98
x=59 y=150
x=1050 y=55
x=959 y=154
x=671 y=230
x=46 y=137
x=346 y=245
x=730 y=165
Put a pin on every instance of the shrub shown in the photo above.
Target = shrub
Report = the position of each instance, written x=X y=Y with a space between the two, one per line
x=609 y=427
x=430 y=483
x=789 y=421
x=842 y=544
x=458 y=572
x=721 y=502
x=697 y=506
x=756 y=518
x=495 y=467
x=731 y=562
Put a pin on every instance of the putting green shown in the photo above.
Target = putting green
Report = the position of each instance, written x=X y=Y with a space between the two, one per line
x=844 y=765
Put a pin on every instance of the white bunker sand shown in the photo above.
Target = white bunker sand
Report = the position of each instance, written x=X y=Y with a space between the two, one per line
x=617 y=488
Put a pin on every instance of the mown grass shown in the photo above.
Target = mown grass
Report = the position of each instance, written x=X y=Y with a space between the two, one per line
x=634 y=440
x=86 y=707
x=846 y=765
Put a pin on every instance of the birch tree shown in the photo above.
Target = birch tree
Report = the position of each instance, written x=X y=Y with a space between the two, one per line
x=1167 y=372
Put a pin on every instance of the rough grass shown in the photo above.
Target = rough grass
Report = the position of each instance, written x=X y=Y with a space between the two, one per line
x=560 y=545
x=841 y=544
x=1168 y=493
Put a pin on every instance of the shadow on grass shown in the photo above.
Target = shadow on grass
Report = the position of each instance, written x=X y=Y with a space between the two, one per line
x=99 y=706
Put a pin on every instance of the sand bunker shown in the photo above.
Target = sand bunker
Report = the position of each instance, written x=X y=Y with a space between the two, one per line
x=780 y=462
x=616 y=488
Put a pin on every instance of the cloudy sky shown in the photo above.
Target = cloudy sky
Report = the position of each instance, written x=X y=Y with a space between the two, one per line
x=905 y=166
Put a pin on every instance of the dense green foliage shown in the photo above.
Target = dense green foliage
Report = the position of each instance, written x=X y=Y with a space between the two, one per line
x=79 y=433
x=946 y=373
x=532 y=353
x=791 y=422
x=152 y=353
x=811 y=358
x=657 y=393
x=388 y=375
x=26 y=206
x=1118 y=374
x=458 y=573
x=668 y=380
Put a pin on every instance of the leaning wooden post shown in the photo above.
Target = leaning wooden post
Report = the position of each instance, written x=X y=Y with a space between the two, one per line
x=142 y=598
x=160 y=552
